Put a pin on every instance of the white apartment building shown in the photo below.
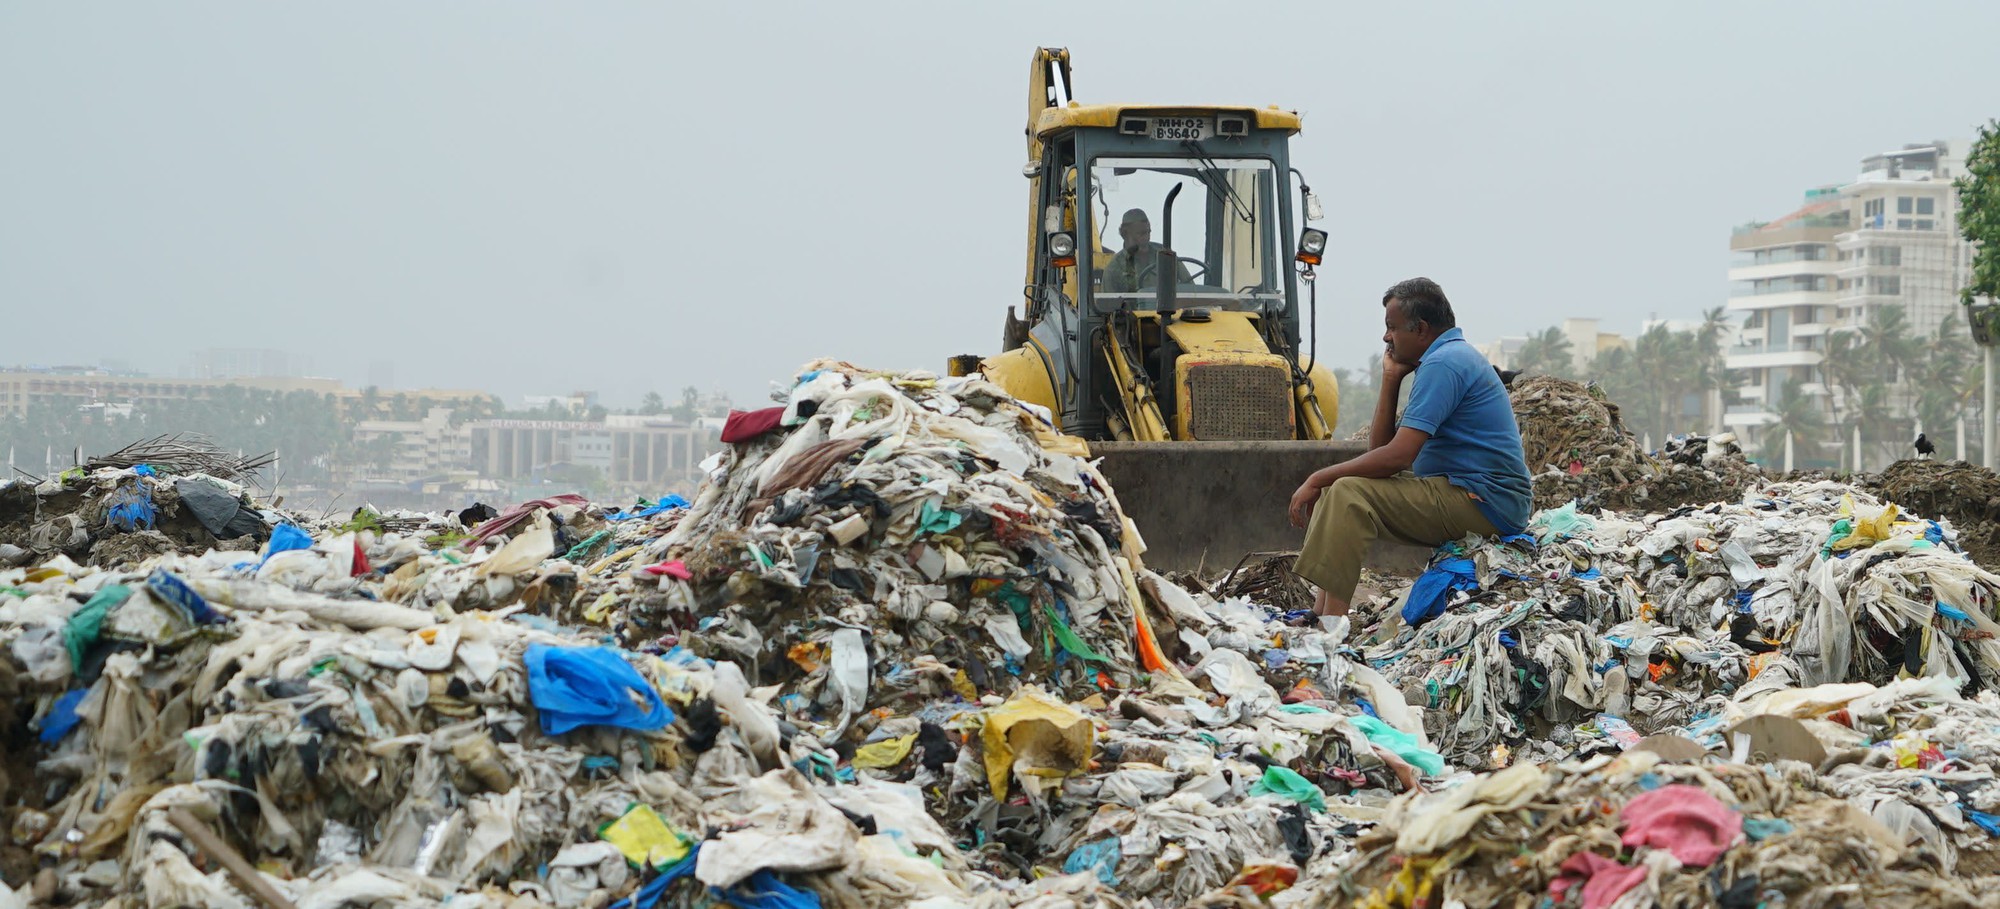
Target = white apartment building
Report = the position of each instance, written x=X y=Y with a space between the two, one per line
x=1782 y=281
x=423 y=448
x=1904 y=248
x=1889 y=237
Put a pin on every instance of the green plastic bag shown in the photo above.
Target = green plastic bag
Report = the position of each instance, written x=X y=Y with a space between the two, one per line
x=88 y=622
x=1284 y=783
x=1403 y=744
x=1069 y=639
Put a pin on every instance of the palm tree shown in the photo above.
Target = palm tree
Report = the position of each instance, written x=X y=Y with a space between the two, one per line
x=1872 y=413
x=1845 y=366
x=1713 y=374
x=1614 y=372
x=1885 y=337
x=1889 y=350
x=1798 y=415
x=1547 y=352
x=1666 y=366
x=1939 y=377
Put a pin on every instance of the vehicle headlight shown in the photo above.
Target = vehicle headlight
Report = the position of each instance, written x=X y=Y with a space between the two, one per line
x=1312 y=246
x=1062 y=245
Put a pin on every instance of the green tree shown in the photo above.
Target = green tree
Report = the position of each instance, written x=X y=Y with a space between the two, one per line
x=1979 y=214
x=1979 y=223
x=1712 y=372
x=1668 y=371
x=1798 y=414
x=1547 y=353
x=1939 y=377
x=690 y=406
x=1844 y=366
x=652 y=404
x=1887 y=349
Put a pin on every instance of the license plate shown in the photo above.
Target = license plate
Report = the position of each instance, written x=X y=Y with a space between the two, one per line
x=1179 y=128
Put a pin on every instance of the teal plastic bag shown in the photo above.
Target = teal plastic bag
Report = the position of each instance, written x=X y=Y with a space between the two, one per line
x=1403 y=744
x=87 y=623
x=1560 y=524
x=1285 y=784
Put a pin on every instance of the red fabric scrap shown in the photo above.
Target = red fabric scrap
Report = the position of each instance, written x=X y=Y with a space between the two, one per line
x=744 y=425
x=675 y=569
x=360 y=565
x=1603 y=879
x=1684 y=820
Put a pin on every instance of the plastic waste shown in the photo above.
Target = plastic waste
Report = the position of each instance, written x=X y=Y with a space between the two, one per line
x=1286 y=783
x=591 y=686
x=645 y=839
x=1402 y=744
x=1099 y=857
x=1036 y=739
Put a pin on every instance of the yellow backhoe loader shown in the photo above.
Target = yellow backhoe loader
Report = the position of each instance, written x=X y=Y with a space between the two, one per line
x=1163 y=313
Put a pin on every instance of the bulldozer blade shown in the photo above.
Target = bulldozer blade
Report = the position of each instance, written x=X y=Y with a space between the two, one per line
x=1202 y=505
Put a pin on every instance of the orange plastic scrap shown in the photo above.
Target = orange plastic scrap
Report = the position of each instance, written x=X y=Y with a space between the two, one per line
x=806 y=655
x=1150 y=655
x=1266 y=879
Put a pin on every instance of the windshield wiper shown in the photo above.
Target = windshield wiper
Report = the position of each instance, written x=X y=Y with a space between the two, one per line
x=1217 y=180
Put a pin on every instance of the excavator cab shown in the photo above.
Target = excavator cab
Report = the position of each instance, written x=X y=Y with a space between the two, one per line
x=1164 y=308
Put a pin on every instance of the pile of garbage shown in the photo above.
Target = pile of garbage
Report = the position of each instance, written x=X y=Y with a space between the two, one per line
x=119 y=508
x=1966 y=493
x=1579 y=451
x=1585 y=627
x=902 y=648
x=1870 y=826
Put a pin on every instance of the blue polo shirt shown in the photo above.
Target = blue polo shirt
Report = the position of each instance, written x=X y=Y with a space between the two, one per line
x=1474 y=441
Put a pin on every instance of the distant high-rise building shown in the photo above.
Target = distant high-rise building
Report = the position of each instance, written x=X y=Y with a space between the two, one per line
x=244 y=363
x=1888 y=238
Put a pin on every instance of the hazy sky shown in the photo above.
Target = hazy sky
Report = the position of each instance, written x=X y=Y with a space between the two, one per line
x=540 y=197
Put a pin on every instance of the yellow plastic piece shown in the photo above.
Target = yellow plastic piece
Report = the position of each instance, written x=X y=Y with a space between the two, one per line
x=885 y=753
x=645 y=839
x=1035 y=735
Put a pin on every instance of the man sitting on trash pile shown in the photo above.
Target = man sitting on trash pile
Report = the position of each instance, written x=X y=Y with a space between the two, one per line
x=1454 y=467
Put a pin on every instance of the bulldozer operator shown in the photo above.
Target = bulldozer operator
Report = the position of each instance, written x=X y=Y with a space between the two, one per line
x=1454 y=466
x=1135 y=267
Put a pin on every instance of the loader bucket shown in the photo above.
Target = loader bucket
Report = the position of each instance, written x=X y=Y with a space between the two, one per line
x=1202 y=505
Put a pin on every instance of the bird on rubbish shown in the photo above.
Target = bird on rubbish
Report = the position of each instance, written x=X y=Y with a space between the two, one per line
x=1507 y=376
x=1924 y=447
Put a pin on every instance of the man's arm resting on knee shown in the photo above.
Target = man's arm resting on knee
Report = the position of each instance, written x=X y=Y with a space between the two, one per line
x=1383 y=461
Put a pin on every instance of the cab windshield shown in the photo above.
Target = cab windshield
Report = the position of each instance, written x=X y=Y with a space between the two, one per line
x=1223 y=223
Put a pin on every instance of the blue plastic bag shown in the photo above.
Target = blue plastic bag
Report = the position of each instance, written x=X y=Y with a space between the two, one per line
x=665 y=504
x=1432 y=590
x=590 y=686
x=285 y=538
x=131 y=507
x=765 y=891
x=62 y=716
x=176 y=591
